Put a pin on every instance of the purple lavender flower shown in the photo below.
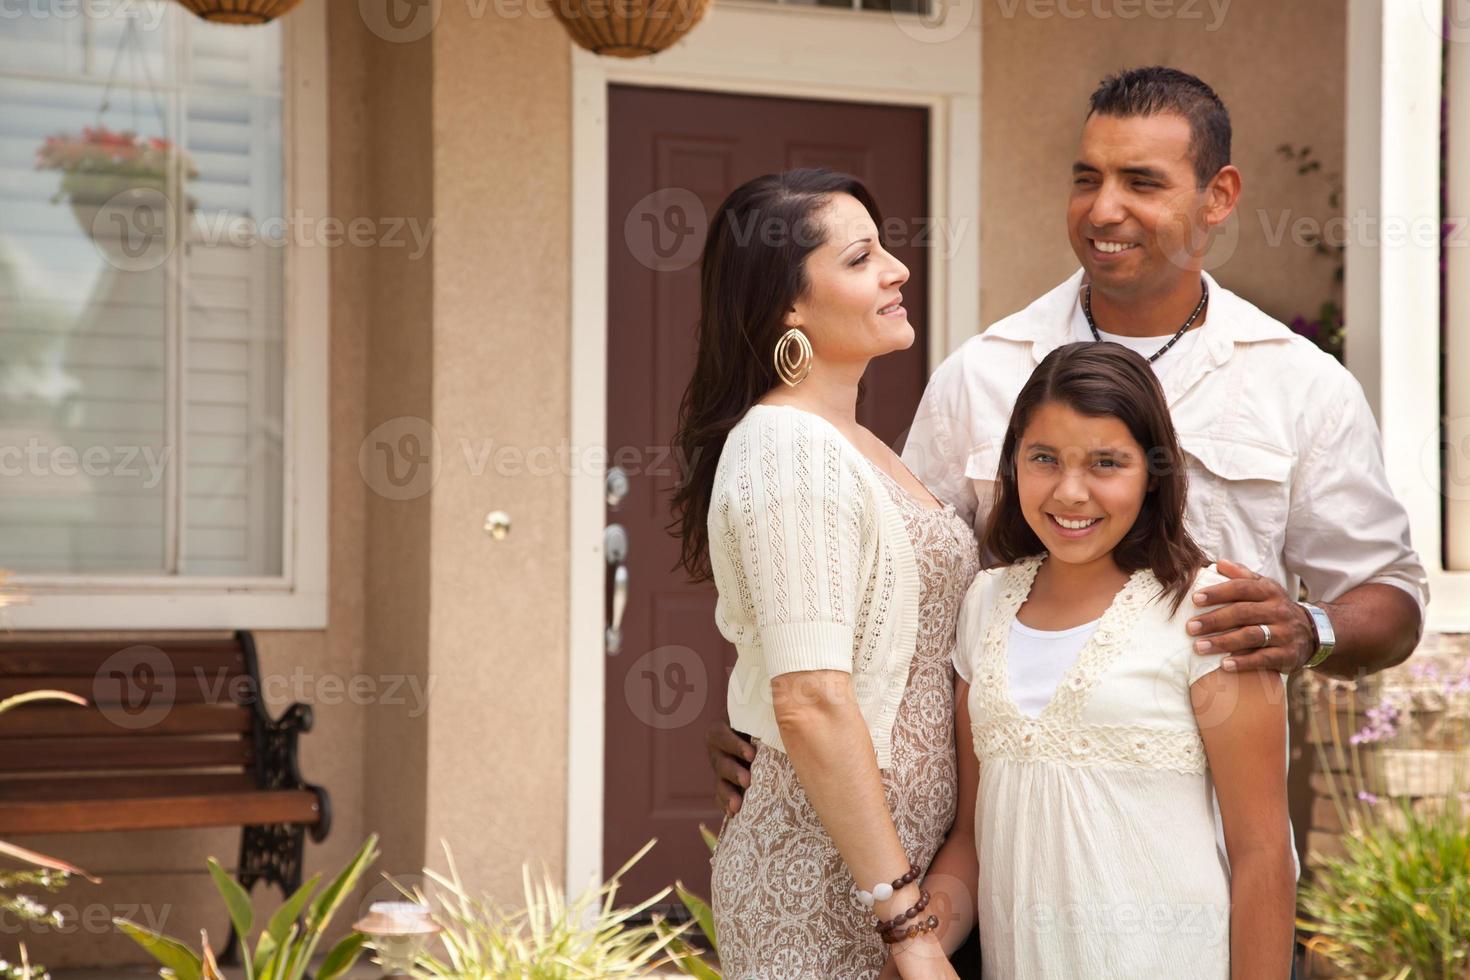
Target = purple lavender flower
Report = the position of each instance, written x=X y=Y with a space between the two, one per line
x=1382 y=724
x=1305 y=327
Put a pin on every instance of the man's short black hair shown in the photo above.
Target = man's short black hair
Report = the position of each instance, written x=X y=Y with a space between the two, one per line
x=1156 y=89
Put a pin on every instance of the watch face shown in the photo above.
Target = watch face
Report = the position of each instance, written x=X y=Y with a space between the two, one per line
x=1325 y=637
x=1324 y=627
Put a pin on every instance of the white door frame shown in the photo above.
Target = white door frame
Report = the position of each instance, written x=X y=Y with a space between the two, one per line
x=1392 y=286
x=759 y=49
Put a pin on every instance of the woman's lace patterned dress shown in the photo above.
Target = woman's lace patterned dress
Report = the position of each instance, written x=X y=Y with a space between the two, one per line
x=785 y=904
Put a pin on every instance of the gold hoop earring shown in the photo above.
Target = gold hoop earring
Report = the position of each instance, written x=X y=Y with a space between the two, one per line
x=793 y=357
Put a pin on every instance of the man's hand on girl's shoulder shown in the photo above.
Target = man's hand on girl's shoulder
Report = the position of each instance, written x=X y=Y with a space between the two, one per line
x=1251 y=601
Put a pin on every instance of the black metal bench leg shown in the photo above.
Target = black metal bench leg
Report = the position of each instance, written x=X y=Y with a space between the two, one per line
x=271 y=853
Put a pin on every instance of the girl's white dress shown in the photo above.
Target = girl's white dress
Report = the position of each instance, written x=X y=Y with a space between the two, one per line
x=1095 y=823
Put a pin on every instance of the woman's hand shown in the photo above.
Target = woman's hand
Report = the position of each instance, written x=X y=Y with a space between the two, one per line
x=921 y=958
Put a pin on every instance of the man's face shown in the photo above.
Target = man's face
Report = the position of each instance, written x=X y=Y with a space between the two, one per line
x=1136 y=218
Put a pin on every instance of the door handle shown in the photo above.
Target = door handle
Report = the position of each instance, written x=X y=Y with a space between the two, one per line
x=615 y=547
x=619 y=603
x=617 y=487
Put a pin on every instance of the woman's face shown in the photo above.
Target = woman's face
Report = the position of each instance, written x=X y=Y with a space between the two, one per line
x=853 y=309
x=1081 y=482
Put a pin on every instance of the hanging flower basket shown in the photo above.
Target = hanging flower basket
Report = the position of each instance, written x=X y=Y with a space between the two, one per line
x=240 y=11
x=104 y=171
x=100 y=163
x=628 y=28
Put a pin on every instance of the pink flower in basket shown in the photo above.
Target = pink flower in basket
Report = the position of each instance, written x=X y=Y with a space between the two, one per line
x=100 y=159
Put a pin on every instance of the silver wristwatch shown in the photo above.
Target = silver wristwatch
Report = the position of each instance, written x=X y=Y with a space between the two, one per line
x=1326 y=639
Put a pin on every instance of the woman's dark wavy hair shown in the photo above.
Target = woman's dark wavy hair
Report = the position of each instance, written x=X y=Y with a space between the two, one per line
x=1105 y=380
x=751 y=273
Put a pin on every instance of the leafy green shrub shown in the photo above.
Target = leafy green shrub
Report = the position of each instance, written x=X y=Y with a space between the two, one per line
x=286 y=944
x=689 y=962
x=1400 y=898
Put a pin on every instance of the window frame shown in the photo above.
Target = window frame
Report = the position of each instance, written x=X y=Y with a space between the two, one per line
x=297 y=598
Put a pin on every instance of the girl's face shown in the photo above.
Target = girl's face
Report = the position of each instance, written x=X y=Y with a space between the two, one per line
x=853 y=309
x=1081 y=482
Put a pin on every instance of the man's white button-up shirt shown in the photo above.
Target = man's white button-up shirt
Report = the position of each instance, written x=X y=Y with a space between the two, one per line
x=1285 y=459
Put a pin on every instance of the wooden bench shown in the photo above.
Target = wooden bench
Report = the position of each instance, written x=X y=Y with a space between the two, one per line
x=176 y=736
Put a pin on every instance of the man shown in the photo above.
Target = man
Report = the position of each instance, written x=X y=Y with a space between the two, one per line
x=1287 y=482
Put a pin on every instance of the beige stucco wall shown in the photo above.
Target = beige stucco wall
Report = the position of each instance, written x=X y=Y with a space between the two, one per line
x=501 y=363
x=382 y=145
x=1279 y=67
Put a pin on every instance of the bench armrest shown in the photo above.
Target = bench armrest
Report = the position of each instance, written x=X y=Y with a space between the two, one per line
x=276 y=742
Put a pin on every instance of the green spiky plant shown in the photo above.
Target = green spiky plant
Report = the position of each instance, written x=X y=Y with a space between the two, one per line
x=24 y=970
x=689 y=961
x=45 y=873
x=1396 y=903
x=285 y=946
x=549 y=938
x=1399 y=899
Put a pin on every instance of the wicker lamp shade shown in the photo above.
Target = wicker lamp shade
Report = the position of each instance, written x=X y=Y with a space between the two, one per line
x=628 y=28
x=240 y=11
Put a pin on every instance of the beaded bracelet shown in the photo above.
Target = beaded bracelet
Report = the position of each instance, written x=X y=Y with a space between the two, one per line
x=928 y=925
x=902 y=917
x=883 y=892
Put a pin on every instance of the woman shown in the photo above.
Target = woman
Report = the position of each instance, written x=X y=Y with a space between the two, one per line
x=839 y=579
x=1097 y=732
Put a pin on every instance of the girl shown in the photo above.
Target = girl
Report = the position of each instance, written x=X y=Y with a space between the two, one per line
x=839 y=578
x=1097 y=731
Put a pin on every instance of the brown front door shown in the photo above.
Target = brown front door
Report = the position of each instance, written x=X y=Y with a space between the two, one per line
x=673 y=157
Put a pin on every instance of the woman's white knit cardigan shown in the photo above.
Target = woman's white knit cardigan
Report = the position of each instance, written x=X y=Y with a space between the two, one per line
x=814 y=568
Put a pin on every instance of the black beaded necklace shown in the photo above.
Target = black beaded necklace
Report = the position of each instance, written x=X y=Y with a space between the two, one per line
x=1204 y=297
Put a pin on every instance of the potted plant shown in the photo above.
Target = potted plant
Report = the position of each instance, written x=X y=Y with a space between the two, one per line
x=116 y=170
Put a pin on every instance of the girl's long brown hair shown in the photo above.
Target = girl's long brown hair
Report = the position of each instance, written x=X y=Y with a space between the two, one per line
x=1105 y=380
x=751 y=273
